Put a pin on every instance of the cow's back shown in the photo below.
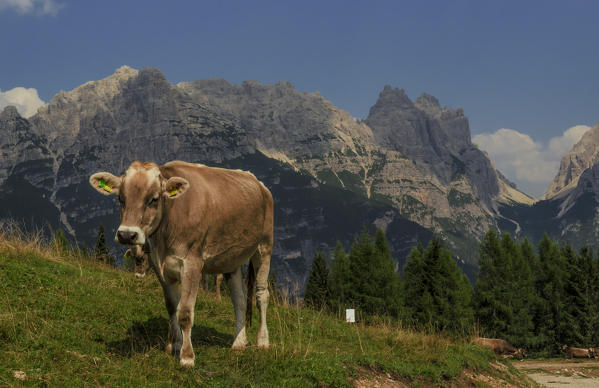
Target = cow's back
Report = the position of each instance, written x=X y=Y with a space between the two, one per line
x=228 y=210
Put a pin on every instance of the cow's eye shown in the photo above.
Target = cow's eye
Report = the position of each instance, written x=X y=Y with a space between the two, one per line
x=153 y=201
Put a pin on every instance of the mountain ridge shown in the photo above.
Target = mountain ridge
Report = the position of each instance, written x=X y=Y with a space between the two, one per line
x=138 y=114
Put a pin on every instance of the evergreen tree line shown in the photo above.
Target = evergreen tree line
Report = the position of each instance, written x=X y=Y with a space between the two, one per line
x=535 y=299
x=433 y=292
x=538 y=300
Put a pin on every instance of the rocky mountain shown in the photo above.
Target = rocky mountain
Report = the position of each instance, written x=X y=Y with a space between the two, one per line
x=415 y=156
x=409 y=168
x=138 y=115
x=569 y=210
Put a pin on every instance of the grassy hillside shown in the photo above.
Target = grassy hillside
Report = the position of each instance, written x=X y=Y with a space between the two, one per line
x=67 y=322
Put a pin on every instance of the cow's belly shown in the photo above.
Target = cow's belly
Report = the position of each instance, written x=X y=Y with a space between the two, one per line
x=228 y=261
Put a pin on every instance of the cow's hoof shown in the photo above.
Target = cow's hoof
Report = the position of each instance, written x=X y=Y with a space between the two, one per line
x=240 y=340
x=262 y=340
x=187 y=362
x=238 y=347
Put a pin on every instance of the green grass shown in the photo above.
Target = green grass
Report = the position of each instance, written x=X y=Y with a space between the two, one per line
x=65 y=321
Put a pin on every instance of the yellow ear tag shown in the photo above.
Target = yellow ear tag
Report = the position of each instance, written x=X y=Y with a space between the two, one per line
x=127 y=254
x=103 y=185
x=173 y=192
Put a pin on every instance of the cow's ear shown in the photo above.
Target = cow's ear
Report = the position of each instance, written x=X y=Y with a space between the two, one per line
x=175 y=187
x=105 y=183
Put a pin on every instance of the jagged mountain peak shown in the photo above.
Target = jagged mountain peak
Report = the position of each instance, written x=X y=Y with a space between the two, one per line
x=582 y=156
x=422 y=131
x=101 y=101
x=391 y=99
x=9 y=113
x=427 y=101
x=104 y=88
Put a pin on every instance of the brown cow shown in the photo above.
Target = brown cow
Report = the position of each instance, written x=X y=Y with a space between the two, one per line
x=141 y=263
x=501 y=347
x=197 y=219
x=577 y=352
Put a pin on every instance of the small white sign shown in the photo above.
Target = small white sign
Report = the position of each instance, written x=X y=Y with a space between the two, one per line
x=350 y=315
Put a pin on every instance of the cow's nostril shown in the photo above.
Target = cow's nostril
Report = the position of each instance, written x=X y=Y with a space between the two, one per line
x=126 y=237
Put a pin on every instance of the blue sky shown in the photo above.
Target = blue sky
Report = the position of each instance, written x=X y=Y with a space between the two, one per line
x=527 y=66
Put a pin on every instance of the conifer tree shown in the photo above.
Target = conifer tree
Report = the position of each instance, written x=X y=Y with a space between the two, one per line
x=520 y=294
x=363 y=289
x=492 y=311
x=365 y=279
x=340 y=279
x=415 y=289
x=589 y=322
x=551 y=314
x=388 y=280
x=525 y=298
x=575 y=306
x=441 y=296
x=451 y=290
x=317 y=291
x=101 y=252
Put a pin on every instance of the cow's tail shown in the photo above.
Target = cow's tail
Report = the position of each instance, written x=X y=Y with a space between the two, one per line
x=250 y=283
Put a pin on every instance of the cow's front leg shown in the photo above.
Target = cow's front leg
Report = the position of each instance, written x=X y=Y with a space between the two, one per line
x=235 y=283
x=171 y=296
x=191 y=275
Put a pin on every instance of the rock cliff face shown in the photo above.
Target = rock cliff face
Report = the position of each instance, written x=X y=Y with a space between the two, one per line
x=581 y=157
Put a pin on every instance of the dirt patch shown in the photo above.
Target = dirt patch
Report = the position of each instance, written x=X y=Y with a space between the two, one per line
x=370 y=378
x=558 y=373
x=499 y=377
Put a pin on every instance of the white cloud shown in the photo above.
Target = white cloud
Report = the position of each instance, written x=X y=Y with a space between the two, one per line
x=26 y=101
x=531 y=165
x=37 y=7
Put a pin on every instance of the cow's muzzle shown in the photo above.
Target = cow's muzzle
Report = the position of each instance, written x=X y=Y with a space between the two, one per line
x=126 y=237
x=130 y=235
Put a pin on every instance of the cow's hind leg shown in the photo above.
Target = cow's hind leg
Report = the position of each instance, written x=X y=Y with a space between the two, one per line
x=219 y=278
x=261 y=262
x=235 y=283
x=191 y=275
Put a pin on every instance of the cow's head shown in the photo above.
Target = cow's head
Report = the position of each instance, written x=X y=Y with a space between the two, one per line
x=142 y=192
